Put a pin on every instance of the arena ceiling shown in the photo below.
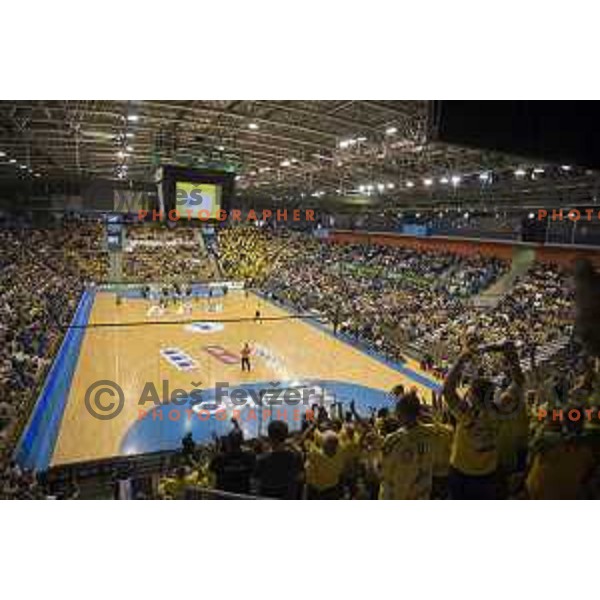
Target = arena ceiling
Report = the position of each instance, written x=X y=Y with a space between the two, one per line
x=365 y=148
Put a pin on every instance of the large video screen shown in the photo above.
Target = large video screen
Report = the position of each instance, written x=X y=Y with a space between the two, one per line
x=198 y=200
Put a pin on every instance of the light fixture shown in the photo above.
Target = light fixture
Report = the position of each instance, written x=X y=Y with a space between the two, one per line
x=362 y=138
x=129 y=134
x=418 y=215
x=133 y=118
x=391 y=130
x=380 y=187
x=427 y=182
x=531 y=215
x=410 y=184
x=390 y=186
x=519 y=172
x=444 y=180
x=285 y=163
x=466 y=215
x=455 y=180
x=2 y=154
x=484 y=176
x=220 y=148
x=538 y=170
x=12 y=161
x=23 y=166
x=565 y=167
x=129 y=148
x=253 y=126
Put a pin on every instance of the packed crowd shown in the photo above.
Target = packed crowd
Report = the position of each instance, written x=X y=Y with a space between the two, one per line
x=394 y=298
x=476 y=440
x=537 y=312
x=156 y=252
x=489 y=434
x=42 y=275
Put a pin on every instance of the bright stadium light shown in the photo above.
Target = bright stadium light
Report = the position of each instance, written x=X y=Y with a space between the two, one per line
x=253 y=126
x=129 y=134
x=531 y=215
x=285 y=163
x=391 y=130
x=565 y=167
x=2 y=154
x=427 y=182
x=129 y=148
x=410 y=184
x=455 y=180
x=484 y=176
x=519 y=172
x=390 y=186
x=444 y=180
x=220 y=148
x=133 y=118
x=12 y=161
x=380 y=187
x=538 y=170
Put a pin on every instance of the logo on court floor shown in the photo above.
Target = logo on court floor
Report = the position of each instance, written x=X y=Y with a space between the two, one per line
x=102 y=408
x=204 y=327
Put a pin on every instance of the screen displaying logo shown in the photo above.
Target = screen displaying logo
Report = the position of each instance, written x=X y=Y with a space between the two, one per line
x=198 y=199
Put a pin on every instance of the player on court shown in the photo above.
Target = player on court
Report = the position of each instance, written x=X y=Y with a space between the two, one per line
x=245 y=353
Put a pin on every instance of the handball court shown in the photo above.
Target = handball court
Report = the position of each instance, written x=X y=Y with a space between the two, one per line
x=130 y=344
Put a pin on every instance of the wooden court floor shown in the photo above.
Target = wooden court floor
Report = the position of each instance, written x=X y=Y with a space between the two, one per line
x=290 y=349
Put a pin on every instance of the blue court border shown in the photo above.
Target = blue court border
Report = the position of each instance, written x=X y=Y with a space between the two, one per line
x=36 y=446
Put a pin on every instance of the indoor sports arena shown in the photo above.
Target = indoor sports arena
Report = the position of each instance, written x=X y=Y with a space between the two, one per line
x=299 y=300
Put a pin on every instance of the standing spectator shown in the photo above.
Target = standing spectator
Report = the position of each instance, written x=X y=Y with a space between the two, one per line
x=279 y=472
x=233 y=466
x=407 y=455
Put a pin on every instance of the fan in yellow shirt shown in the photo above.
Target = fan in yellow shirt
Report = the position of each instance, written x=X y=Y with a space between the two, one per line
x=325 y=466
x=407 y=455
x=174 y=487
x=474 y=455
x=443 y=435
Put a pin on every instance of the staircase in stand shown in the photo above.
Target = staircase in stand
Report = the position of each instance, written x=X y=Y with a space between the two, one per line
x=522 y=259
